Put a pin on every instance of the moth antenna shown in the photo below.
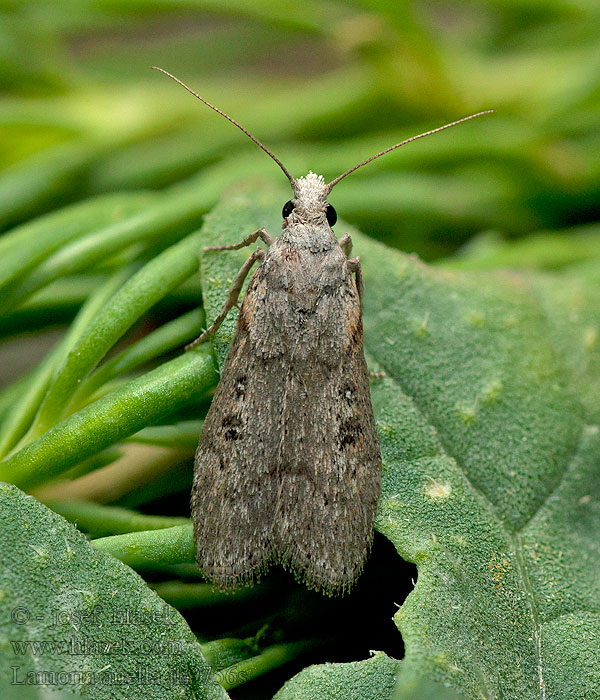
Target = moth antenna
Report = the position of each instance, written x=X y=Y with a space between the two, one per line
x=233 y=121
x=402 y=143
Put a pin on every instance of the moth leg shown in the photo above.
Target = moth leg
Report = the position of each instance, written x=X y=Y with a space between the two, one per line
x=232 y=298
x=262 y=233
x=346 y=244
x=354 y=266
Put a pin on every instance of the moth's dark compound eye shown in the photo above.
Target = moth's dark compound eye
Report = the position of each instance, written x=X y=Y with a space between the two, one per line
x=288 y=208
x=331 y=215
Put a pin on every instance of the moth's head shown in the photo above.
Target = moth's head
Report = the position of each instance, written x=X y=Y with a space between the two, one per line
x=309 y=203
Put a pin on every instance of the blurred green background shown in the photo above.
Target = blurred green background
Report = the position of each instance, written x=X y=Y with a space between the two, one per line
x=323 y=84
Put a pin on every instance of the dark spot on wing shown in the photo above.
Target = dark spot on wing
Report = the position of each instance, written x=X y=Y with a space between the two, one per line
x=240 y=386
x=350 y=433
x=232 y=427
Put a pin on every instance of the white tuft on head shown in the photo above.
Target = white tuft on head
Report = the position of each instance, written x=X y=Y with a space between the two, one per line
x=310 y=195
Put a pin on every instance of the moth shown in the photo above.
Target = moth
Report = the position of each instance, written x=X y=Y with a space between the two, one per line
x=288 y=467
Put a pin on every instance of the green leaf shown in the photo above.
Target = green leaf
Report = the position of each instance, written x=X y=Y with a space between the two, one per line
x=104 y=520
x=137 y=295
x=121 y=413
x=183 y=434
x=144 y=219
x=24 y=408
x=172 y=545
x=491 y=449
x=28 y=245
x=60 y=594
x=185 y=596
x=268 y=659
x=488 y=422
x=373 y=679
x=29 y=692
x=164 y=339
x=425 y=689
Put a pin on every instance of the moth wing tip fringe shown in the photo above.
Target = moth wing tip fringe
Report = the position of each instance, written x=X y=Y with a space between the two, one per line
x=231 y=582
x=315 y=581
